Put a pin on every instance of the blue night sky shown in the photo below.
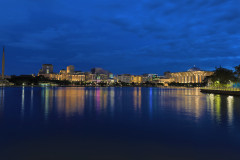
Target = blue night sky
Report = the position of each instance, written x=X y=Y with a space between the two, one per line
x=122 y=36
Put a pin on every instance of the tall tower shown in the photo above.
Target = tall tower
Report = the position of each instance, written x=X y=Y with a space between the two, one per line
x=70 y=69
x=3 y=64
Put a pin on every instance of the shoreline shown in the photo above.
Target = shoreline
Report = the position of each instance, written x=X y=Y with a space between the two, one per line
x=38 y=86
x=223 y=92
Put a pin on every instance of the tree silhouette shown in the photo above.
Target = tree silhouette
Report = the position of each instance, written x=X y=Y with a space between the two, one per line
x=223 y=76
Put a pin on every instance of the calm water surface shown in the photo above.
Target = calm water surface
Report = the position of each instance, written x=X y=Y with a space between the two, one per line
x=117 y=123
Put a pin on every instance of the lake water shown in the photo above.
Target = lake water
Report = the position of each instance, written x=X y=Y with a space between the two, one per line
x=117 y=123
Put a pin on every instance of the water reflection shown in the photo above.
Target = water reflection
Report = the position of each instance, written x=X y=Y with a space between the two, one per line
x=31 y=105
x=1 y=101
x=221 y=108
x=47 y=100
x=112 y=96
x=77 y=121
x=218 y=107
x=98 y=99
x=137 y=98
x=230 y=101
x=184 y=101
x=143 y=102
x=23 y=102
x=70 y=101
x=150 y=102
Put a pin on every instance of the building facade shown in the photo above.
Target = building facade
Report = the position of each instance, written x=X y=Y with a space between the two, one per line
x=126 y=78
x=193 y=75
x=70 y=69
x=46 y=69
x=136 y=79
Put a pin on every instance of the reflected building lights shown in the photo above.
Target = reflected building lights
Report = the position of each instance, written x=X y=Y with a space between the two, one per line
x=210 y=105
x=98 y=100
x=112 y=100
x=150 y=103
x=197 y=107
x=104 y=95
x=218 y=107
x=46 y=98
x=23 y=102
x=2 y=101
x=211 y=97
x=31 y=106
x=70 y=101
x=185 y=100
x=230 y=101
x=112 y=96
x=137 y=98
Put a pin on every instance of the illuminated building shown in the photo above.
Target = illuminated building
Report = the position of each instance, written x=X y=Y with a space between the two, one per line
x=148 y=77
x=110 y=75
x=99 y=71
x=54 y=76
x=96 y=75
x=63 y=71
x=136 y=79
x=70 y=69
x=3 y=81
x=193 y=75
x=164 y=81
x=127 y=78
x=124 y=78
x=77 y=78
x=46 y=69
x=102 y=75
x=89 y=77
x=62 y=75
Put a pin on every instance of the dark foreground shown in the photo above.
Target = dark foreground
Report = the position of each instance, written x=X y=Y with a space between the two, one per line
x=117 y=123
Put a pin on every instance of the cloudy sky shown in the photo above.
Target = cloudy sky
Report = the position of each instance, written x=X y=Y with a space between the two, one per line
x=123 y=36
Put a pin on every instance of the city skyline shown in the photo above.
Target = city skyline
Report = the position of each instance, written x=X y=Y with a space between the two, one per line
x=119 y=79
x=134 y=36
x=90 y=70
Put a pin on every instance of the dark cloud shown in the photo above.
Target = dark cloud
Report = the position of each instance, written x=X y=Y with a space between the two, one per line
x=124 y=36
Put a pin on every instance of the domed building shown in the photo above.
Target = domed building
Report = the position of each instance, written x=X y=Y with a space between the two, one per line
x=193 y=75
x=194 y=69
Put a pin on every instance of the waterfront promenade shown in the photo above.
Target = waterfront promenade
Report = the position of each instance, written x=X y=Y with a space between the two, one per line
x=221 y=90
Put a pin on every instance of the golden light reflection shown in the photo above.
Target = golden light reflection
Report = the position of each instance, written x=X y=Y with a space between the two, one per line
x=192 y=102
x=104 y=95
x=217 y=104
x=47 y=97
x=230 y=101
x=46 y=102
x=70 y=101
x=198 y=109
x=137 y=98
x=211 y=97
x=98 y=99
x=112 y=96
x=187 y=101
x=218 y=107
